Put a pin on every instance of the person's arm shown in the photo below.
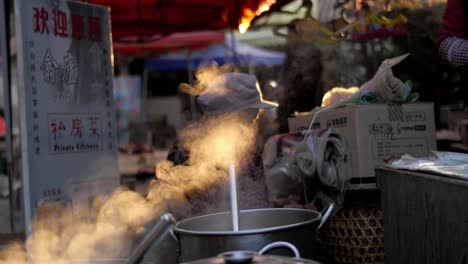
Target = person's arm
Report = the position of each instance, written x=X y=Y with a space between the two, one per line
x=454 y=51
x=452 y=46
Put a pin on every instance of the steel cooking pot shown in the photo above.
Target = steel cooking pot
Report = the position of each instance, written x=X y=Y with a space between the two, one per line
x=252 y=257
x=209 y=235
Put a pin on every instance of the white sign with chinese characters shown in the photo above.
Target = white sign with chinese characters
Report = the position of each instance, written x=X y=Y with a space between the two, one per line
x=67 y=107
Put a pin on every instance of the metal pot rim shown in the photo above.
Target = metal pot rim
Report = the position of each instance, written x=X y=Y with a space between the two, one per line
x=249 y=231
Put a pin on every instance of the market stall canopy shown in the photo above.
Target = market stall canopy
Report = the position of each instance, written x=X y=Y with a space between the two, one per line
x=186 y=40
x=221 y=53
x=139 y=20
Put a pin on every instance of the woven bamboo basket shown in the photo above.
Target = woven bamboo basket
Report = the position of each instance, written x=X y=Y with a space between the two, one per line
x=353 y=235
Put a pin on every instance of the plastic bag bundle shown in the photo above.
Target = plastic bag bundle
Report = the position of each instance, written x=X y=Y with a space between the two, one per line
x=337 y=95
x=332 y=168
x=282 y=175
x=384 y=85
x=289 y=162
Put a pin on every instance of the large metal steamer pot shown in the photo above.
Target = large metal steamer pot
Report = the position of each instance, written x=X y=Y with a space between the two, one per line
x=209 y=235
x=250 y=257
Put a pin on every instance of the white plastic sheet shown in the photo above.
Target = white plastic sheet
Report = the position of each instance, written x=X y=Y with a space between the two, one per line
x=446 y=163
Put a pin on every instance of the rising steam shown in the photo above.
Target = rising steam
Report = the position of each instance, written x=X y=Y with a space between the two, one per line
x=205 y=74
x=119 y=220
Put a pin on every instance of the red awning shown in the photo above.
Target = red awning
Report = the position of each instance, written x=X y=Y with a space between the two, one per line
x=142 y=19
x=141 y=26
x=190 y=40
x=2 y=126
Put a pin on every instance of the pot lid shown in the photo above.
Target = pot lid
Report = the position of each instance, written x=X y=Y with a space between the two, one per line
x=246 y=257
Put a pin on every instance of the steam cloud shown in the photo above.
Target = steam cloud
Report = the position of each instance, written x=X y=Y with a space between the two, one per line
x=120 y=219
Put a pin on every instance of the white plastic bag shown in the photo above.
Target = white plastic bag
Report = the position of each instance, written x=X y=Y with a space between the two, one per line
x=386 y=86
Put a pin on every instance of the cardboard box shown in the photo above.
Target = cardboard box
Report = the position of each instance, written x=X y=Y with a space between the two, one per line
x=376 y=132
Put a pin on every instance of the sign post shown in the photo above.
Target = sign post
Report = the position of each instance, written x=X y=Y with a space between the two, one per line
x=67 y=112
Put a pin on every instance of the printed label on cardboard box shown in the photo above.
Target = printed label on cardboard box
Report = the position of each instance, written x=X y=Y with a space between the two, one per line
x=391 y=130
x=338 y=122
x=415 y=116
x=384 y=149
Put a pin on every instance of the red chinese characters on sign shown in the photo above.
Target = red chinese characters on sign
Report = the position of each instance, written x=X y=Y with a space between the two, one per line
x=93 y=126
x=74 y=133
x=79 y=24
x=94 y=29
x=41 y=16
x=60 y=23
x=77 y=127
x=55 y=130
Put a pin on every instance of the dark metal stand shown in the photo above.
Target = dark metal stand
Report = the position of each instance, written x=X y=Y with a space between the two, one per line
x=425 y=217
x=5 y=51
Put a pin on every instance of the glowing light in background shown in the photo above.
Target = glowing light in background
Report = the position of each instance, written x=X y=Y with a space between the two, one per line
x=248 y=14
x=273 y=83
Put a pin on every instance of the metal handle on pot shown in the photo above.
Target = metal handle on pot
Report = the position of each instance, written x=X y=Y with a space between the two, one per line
x=280 y=244
x=326 y=215
x=156 y=234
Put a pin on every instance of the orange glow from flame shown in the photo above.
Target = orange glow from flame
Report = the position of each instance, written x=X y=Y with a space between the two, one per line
x=248 y=14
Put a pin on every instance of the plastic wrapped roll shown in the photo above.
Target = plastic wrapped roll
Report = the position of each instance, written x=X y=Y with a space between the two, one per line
x=289 y=161
x=282 y=175
x=332 y=163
